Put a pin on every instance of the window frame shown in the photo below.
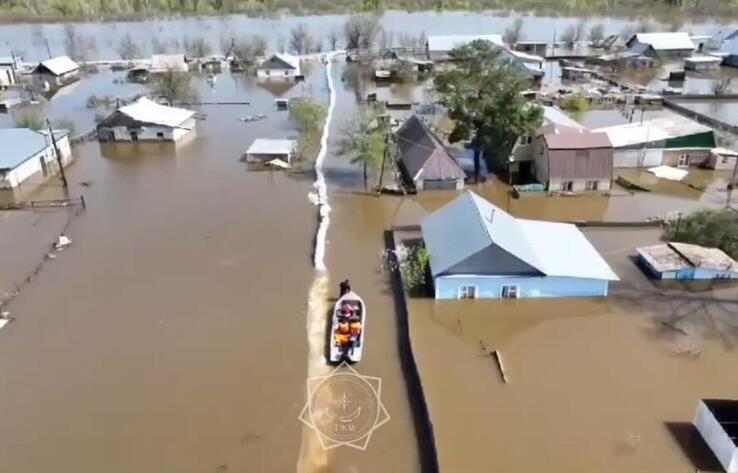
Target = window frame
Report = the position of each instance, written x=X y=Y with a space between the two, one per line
x=506 y=289
x=592 y=185
x=463 y=292
x=686 y=157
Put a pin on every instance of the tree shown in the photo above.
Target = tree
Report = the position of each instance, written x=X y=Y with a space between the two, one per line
x=197 y=47
x=77 y=46
x=711 y=228
x=301 y=41
x=597 y=33
x=333 y=39
x=173 y=86
x=360 y=31
x=364 y=140
x=573 y=33
x=514 y=33
x=576 y=103
x=249 y=48
x=722 y=86
x=128 y=49
x=483 y=96
x=308 y=117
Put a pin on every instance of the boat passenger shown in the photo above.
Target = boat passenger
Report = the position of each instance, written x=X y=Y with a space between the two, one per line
x=343 y=339
x=343 y=326
x=347 y=310
x=355 y=327
x=344 y=287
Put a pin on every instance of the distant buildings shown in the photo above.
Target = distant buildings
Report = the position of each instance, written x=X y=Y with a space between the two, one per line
x=477 y=250
x=702 y=63
x=424 y=161
x=265 y=151
x=438 y=47
x=719 y=39
x=279 y=66
x=717 y=422
x=27 y=153
x=58 y=71
x=146 y=120
x=8 y=69
x=687 y=262
x=673 y=141
x=662 y=45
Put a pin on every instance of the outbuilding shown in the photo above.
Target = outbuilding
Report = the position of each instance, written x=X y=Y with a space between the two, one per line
x=146 y=120
x=702 y=63
x=662 y=45
x=687 y=262
x=58 y=71
x=574 y=160
x=478 y=250
x=264 y=151
x=279 y=66
x=424 y=161
x=717 y=422
x=27 y=153
x=672 y=140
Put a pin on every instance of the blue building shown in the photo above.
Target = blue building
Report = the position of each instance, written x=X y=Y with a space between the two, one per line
x=478 y=250
x=687 y=262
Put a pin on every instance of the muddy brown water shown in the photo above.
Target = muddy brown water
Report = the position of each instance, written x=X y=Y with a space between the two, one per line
x=171 y=336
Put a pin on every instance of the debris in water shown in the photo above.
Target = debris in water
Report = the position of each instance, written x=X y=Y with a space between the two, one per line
x=4 y=314
x=498 y=356
x=62 y=242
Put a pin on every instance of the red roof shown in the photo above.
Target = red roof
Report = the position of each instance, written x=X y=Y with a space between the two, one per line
x=577 y=140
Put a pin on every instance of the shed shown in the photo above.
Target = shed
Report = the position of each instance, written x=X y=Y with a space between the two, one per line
x=687 y=262
x=168 y=62
x=664 y=45
x=673 y=140
x=279 y=66
x=438 y=47
x=27 y=153
x=264 y=150
x=717 y=422
x=146 y=120
x=702 y=63
x=722 y=158
x=531 y=47
x=575 y=160
x=8 y=68
x=58 y=71
x=424 y=161
x=478 y=250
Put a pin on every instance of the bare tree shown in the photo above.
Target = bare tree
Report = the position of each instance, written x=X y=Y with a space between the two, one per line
x=249 y=48
x=77 y=46
x=197 y=47
x=301 y=41
x=597 y=33
x=722 y=86
x=333 y=39
x=514 y=33
x=573 y=33
x=216 y=4
x=128 y=49
x=173 y=86
x=360 y=31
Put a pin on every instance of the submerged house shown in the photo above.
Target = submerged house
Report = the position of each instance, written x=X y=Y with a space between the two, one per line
x=687 y=262
x=662 y=45
x=719 y=39
x=702 y=63
x=478 y=250
x=279 y=66
x=423 y=159
x=57 y=71
x=146 y=120
x=273 y=152
x=672 y=141
x=161 y=63
x=717 y=422
x=27 y=153
x=574 y=160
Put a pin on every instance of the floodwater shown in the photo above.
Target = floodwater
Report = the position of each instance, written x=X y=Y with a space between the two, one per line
x=724 y=110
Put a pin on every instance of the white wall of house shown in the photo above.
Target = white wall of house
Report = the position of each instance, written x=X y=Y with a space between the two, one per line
x=579 y=185
x=151 y=133
x=7 y=76
x=716 y=438
x=276 y=73
x=33 y=165
x=633 y=158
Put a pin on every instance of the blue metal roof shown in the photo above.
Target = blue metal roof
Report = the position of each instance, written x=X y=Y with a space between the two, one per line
x=19 y=144
x=470 y=224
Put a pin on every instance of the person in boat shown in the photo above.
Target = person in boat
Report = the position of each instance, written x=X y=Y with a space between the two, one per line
x=343 y=339
x=343 y=326
x=355 y=330
x=344 y=287
x=347 y=310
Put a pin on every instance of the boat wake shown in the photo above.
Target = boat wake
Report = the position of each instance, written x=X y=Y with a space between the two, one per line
x=313 y=458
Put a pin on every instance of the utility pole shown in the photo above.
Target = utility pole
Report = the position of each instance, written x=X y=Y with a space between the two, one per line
x=58 y=155
x=48 y=49
x=384 y=157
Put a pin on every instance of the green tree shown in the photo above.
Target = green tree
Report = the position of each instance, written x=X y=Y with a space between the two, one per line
x=364 y=140
x=483 y=97
x=173 y=86
x=29 y=119
x=308 y=117
x=711 y=228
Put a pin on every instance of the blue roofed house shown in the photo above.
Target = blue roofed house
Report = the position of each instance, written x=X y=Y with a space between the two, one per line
x=478 y=250
x=27 y=153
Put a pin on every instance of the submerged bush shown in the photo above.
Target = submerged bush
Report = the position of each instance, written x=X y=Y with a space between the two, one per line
x=711 y=228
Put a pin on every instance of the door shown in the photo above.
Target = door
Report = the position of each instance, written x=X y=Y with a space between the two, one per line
x=134 y=136
x=683 y=161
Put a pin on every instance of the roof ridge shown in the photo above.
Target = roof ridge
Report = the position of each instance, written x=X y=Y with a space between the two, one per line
x=670 y=244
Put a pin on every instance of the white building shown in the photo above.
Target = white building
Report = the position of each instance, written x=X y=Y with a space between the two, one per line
x=8 y=70
x=58 y=71
x=663 y=45
x=146 y=120
x=27 y=152
x=279 y=66
x=168 y=62
x=266 y=151
x=717 y=422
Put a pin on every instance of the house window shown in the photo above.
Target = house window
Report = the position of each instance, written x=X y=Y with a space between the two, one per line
x=510 y=292
x=683 y=161
x=286 y=73
x=591 y=185
x=566 y=186
x=160 y=135
x=468 y=292
x=526 y=140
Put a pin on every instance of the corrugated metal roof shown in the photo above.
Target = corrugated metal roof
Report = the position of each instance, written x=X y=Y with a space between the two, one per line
x=147 y=111
x=666 y=41
x=422 y=153
x=469 y=224
x=677 y=256
x=269 y=146
x=19 y=144
x=554 y=116
x=60 y=65
x=658 y=129
x=581 y=139
x=445 y=43
x=288 y=60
